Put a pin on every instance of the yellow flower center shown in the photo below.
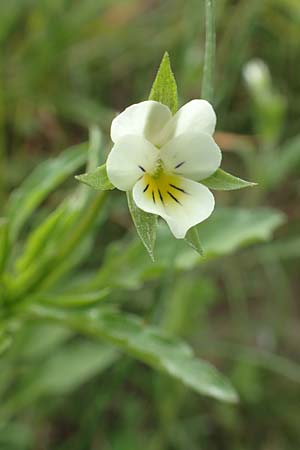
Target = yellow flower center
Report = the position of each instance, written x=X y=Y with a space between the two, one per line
x=163 y=188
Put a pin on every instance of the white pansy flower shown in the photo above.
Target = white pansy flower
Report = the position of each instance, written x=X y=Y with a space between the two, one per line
x=162 y=158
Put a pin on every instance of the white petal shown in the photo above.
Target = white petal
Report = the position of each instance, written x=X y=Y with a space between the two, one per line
x=195 y=116
x=193 y=155
x=129 y=159
x=182 y=205
x=143 y=119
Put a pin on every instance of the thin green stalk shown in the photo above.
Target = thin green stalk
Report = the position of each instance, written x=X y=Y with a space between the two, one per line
x=207 y=90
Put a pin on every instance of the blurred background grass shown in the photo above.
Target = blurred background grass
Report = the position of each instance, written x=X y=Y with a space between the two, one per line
x=67 y=64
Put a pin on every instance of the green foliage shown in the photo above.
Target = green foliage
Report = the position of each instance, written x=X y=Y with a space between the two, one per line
x=224 y=181
x=192 y=238
x=97 y=179
x=32 y=287
x=231 y=228
x=3 y=242
x=50 y=254
x=164 y=88
x=149 y=345
x=44 y=179
x=5 y=342
x=145 y=225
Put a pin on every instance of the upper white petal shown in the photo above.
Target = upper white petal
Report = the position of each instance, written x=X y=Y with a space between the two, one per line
x=196 y=205
x=129 y=159
x=193 y=154
x=195 y=116
x=143 y=119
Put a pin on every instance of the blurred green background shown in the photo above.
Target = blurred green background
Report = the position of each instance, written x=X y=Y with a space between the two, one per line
x=68 y=65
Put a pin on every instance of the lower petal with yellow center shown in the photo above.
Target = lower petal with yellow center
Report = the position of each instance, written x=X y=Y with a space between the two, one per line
x=165 y=189
x=183 y=203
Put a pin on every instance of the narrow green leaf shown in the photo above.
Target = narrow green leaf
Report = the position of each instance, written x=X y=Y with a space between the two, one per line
x=38 y=240
x=164 y=88
x=5 y=343
x=145 y=224
x=147 y=344
x=61 y=372
x=37 y=186
x=37 y=339
x=192 y=238
x=223 y=181
x=71 y=366
x=97 y=179
x=3 y=242
x=72 y=300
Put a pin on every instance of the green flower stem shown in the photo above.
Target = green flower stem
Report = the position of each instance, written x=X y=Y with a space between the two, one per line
x=207 y=91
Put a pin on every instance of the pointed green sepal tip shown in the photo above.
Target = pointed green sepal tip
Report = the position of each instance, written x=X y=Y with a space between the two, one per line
x=223 y=181
x=164 y=88
x=193 y=240
x=145 y=224
x=96 y=179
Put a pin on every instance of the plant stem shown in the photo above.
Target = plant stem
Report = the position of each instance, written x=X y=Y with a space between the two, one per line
x=210 y=48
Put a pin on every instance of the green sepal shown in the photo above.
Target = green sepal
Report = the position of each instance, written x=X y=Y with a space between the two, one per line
x=97 y=179
x=223 y=181
x=145 y=224
x=192 y=238
x=164 y=88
